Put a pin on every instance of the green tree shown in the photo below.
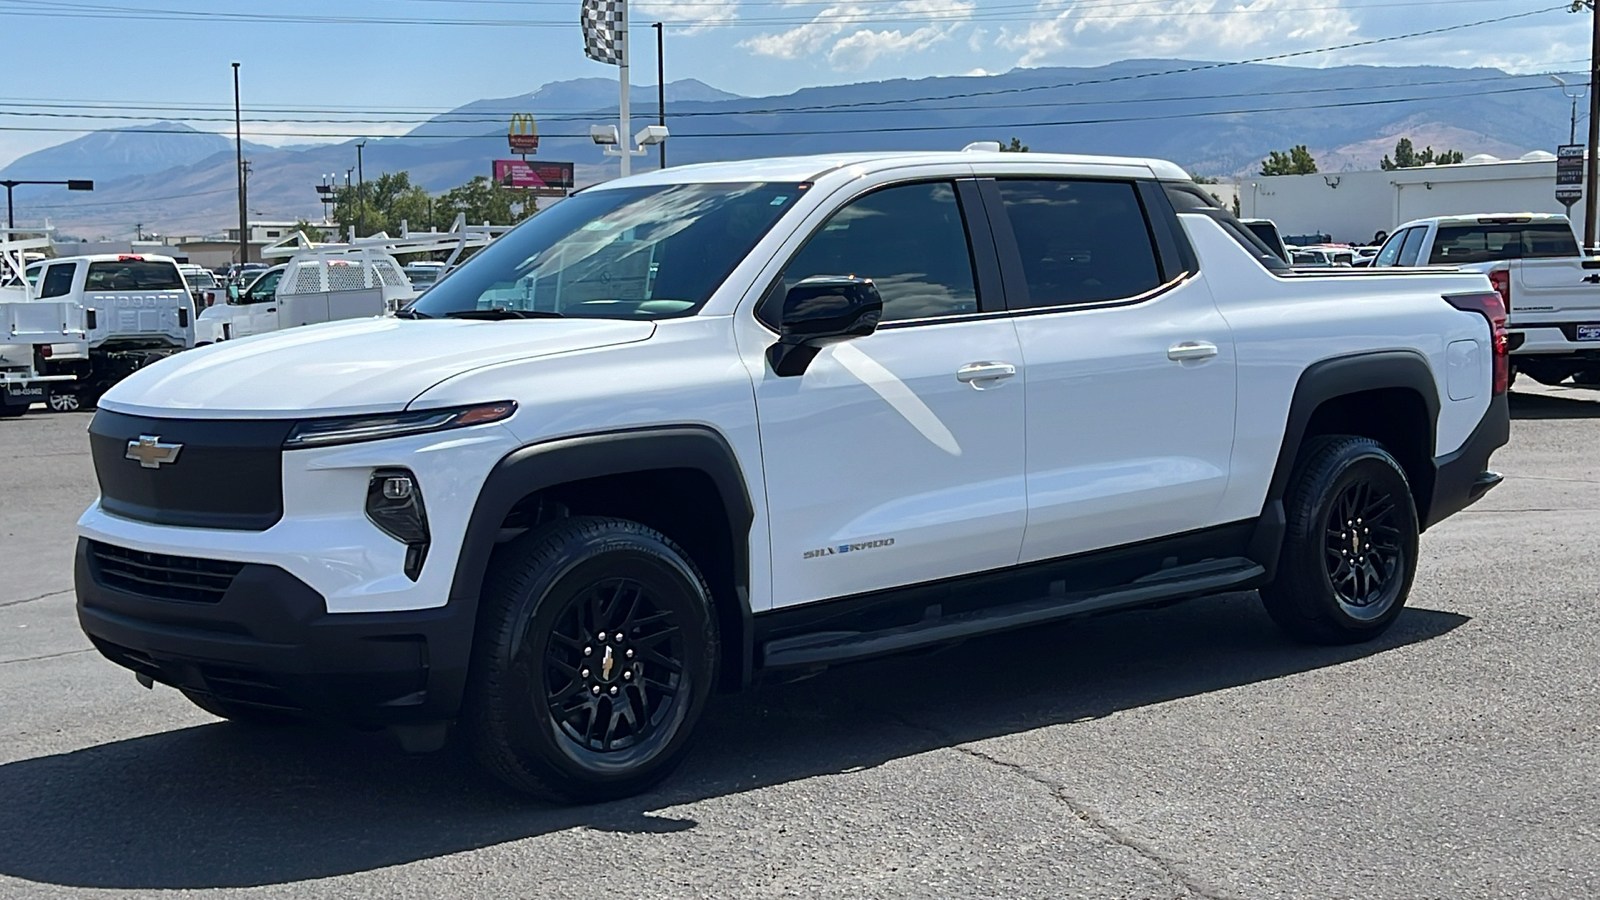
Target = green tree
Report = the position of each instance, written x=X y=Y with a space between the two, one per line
x=481 y=200
x=382 y=205
x=1016 y=146
x=1407 y=157
x=313 y=232
x=1297 y=161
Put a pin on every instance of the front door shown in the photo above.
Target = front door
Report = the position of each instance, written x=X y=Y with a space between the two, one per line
x=895 y=458
x=1131 y=371
x=262 y=303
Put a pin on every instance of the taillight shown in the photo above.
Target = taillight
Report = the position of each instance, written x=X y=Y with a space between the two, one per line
x=1501 y=279
x=46 y=351
x=1492 y=308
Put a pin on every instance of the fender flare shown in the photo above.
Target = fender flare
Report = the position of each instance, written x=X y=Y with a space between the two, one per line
x=1327 y=380
x=548 y=464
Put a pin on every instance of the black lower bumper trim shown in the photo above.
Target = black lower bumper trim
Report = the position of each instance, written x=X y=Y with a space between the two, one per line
x=269 y=642
x=1463 y=477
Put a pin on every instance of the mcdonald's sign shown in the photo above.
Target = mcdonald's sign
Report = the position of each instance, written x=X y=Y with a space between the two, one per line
x=524 y=134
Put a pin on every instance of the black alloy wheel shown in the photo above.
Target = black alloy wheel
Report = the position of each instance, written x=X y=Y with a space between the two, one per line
x=614 y=665
x=595 y=655
x=1350 y=551
x=1365 y=556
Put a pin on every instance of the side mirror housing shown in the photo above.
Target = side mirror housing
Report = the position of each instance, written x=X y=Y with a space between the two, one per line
x=822 y=310
x=233 y=294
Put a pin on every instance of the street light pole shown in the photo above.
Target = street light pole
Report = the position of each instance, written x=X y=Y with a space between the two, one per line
x=1592 y=163
x=76 y=184
x=238 y=147
x=361 y=192
x=661 y=85
x=1572 y=130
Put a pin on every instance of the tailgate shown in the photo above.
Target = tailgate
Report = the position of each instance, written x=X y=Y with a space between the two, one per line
x=1555 y=286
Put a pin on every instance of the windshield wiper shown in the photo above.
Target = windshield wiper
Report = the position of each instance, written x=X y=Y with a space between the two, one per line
x=499 y=312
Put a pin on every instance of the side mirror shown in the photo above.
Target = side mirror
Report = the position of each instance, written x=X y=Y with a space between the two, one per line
x=822 y=310
x=233 y=294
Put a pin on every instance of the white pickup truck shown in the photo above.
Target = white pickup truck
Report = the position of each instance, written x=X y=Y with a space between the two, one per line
x=32 y=332
x=1551 y=289
x=752 y=419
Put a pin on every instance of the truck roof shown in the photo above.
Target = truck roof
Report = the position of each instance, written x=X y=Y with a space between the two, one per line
x=1519 y=218
x=114 y=257
x=811 y=168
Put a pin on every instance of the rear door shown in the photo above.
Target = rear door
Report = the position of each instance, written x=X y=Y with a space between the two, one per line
x=1131 y=370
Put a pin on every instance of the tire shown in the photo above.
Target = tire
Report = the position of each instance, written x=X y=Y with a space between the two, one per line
x=64 y=401
x=1548 y=374
x=12 y=412
x=1333 y=586
x=247 y=715
x=545 y=711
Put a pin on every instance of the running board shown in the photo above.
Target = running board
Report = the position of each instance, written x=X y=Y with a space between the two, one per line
x=829 y=647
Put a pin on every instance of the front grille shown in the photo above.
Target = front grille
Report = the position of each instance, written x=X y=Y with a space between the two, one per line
x=223 y=473
x=162 y=577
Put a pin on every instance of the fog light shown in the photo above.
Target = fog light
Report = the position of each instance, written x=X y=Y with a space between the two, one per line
x=394 y=504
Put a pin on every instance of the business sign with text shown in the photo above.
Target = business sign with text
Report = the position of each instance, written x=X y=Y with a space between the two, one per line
x=542 y=179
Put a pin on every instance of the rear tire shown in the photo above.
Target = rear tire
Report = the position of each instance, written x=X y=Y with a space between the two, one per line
x=1350 y=553
x=248 y=715
x=595 y=655
x=12 y=412
x=64 y=401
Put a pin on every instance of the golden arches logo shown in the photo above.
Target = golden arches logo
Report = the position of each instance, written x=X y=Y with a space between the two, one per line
x=524 y=134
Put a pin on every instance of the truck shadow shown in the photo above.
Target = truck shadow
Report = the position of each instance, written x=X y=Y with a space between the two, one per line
x=1546 y=406
x=223 y=805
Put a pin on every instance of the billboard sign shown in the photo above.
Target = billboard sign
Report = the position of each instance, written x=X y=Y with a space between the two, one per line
x=542 y=179
x=524 y=134
x=1569 y=173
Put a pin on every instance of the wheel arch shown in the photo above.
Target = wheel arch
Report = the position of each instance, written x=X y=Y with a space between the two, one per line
x=1390 y=396
x=676 y=459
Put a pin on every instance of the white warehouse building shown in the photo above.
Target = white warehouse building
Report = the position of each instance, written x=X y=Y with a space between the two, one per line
x=1351 y=207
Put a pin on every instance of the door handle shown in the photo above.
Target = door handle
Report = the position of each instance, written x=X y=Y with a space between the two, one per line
x=1190 y=350
x=982 y=374
x=272 y=309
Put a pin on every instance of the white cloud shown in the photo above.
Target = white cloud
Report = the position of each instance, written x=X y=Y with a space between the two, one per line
x=702 y=14
x=851 y=49
x=1181 y=27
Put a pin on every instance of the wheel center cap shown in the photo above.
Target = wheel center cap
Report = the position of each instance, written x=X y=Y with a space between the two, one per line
x=608 y=664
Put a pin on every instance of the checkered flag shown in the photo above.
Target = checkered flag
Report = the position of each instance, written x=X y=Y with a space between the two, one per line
x=604 y=36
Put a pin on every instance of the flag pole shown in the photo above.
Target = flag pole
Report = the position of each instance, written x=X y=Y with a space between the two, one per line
x=625 y=135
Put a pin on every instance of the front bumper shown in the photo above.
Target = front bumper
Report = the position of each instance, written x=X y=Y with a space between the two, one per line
x=1463 y=477
x=269 y=643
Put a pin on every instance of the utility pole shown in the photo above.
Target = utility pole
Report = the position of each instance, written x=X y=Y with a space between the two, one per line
x=661 y=86
x=1592 y=163
x=238 y=145
x=361 y=193
x=138 y=231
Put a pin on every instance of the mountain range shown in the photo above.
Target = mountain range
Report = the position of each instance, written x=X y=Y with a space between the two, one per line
x=1218 y=120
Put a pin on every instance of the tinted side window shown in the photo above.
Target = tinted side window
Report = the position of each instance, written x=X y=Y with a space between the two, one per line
x=910 y=240
x=1189 y=198
x=1081 y=241
x=1390 y=254
x=57 y=281
x=1412 y=247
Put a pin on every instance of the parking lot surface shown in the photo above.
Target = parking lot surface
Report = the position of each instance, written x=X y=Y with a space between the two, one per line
x=1186 y=752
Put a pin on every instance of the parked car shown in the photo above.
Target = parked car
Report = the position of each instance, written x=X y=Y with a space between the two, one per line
x=1551 y=288
x=240 y=274
x=203 y=286
x=136 y=310
x=424 y=275
x=1322 y=257
x=716 y=423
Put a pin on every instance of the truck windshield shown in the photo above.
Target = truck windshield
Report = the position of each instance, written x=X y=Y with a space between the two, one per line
x=1458 y=244
x=133 y=275
x=629 y=253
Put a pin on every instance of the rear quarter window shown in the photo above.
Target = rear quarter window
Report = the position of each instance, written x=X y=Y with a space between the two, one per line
x=1191 y=198
x=133 y=275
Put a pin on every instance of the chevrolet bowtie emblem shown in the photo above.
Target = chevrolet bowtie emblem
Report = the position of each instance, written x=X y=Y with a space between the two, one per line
x=151 y=453
x=605 y=666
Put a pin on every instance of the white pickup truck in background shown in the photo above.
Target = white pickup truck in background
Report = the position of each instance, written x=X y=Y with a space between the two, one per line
x=1551 y=288
x=330 y=282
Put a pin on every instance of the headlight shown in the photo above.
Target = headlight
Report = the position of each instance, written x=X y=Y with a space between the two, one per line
x=394 y=504
x=353 y=429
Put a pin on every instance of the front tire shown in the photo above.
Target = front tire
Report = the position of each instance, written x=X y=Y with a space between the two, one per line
x=595 y=656
x=1350 y=553
x=12 y=412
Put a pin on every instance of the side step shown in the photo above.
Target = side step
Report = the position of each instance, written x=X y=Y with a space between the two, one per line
x=829 y=647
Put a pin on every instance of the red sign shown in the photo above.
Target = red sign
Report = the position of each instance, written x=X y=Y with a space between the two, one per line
x=542 y=179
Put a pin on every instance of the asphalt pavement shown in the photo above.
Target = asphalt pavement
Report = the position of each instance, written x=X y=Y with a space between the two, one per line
x=1187 y=752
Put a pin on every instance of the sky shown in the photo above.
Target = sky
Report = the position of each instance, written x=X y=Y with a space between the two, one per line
x=155 y=59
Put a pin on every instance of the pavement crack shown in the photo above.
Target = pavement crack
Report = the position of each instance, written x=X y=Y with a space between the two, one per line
x=1187 y=885
x=1099 y=823
x=7 y=662
x=31 y=599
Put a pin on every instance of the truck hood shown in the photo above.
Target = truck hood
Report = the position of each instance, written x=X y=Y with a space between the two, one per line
x=350 y=367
